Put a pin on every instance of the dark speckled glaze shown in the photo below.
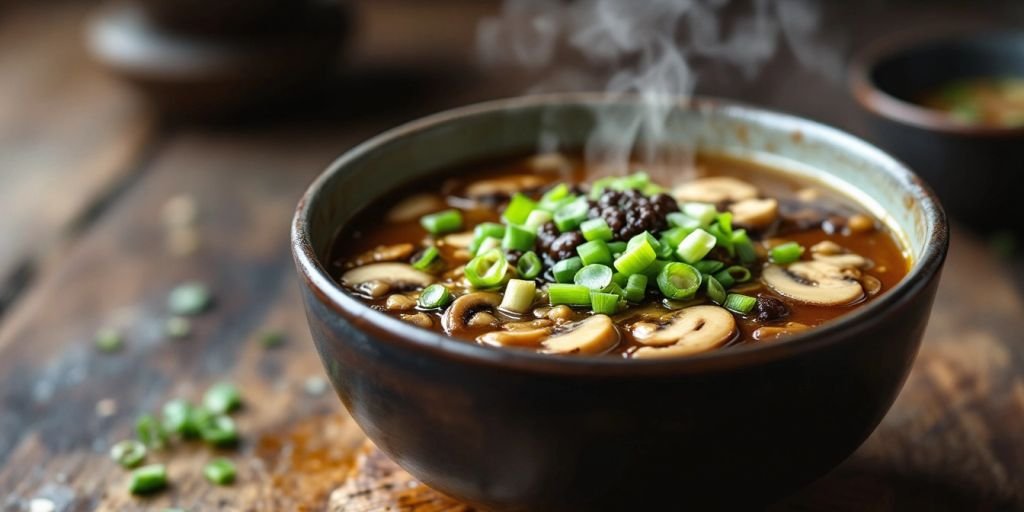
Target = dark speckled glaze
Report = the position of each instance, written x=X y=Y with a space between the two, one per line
x=978 y=171
x=514 y=430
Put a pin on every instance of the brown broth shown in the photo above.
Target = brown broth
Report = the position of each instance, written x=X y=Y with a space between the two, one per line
x=878 y=245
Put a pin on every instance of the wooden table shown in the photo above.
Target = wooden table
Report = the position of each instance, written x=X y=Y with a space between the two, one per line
x=85 y=173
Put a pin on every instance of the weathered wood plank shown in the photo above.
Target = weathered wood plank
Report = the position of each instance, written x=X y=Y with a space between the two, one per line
x=68 y=134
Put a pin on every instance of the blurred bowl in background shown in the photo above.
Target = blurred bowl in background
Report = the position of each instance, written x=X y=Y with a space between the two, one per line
x=976 y=169
x=221 y=16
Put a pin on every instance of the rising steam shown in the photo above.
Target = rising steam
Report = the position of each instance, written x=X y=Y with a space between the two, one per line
x=644 y=48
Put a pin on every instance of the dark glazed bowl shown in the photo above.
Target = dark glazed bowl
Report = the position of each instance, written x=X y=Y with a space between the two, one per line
x=977 y=171
x=512 y=430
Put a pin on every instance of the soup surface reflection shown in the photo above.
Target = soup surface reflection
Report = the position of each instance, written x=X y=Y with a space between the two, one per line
x=544 y=254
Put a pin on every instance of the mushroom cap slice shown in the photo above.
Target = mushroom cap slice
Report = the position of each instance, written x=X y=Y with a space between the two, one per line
x=594 y=335
x=414 y=207
x=813 y=282
x=461 y=240
x=527 y=338
x=396 y=275
x=456 y=317
x=715 y=189
x=689 y=331
x=849 y=261
x=754 y=213
x=505 y=185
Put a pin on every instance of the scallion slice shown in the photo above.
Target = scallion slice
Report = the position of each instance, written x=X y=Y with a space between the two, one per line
x=554 y=198
x=518 y=209
x=426 y=258
x=738 y=273
x=715 y=290
x=703 y=213
x=636 y=288
x=488 y=244
x=646 y=236
x=725 y=223
x=518 y=296
x=565 y=270
x=129 y=453
x=724 y=278
x=218 y=430
x=148 y=479
x=219 y=471
x=604 y=303
x=673 y=237
x=537 y=219
x=569 y=217
x=722 y=240
x=678 y=281
x=594 y=252
x=682 y=220
x=222 y=397
x=786 y=253
x=696 y=245
x=620 y=279
x=738 y=303
x=744 y=247
x=596 y=229
x=636 y=258
x=434 y=296
x=568 y=294
x=708 y=266
x=594 y=276
x=488 y=270
x=617 y=248
x=529 y=265
x=518 y=238
x=150 y=432
x=442 y=222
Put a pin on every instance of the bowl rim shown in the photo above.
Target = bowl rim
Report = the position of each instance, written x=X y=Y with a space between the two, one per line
x=874 y=99
x=429 y=343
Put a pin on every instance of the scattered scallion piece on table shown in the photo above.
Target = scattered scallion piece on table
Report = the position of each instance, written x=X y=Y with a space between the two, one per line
x=220 y=471
x=594 y=277
x=179 y=417
x=128 y=453
x=529 y=265
x=426 y=258
x=222 y=398
x=568 y=294
x=696 y=245
x=604 y=303
x=565 y=270
x=595 y=251
x=218 y=430
x=786 y=253
x=678 y=281
x=518 y=296
x=150 y=432
x=739 y=303
x=148 y=479
x=518 y=209
x=189 y=299
x=434 y=296
x=487 y=270
x=442 y=222
x=109 y=339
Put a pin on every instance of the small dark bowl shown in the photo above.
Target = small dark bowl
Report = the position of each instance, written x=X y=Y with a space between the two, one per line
x=514 y=430
x=977 y=171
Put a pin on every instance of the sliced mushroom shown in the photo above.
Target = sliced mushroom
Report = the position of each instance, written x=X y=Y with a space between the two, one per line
x=461 y=240
x=754 y=213
x=716 y=189
x=504 y=186
x=384 y=253
x=871 y=284
x=594 y=335
x=527 y=325
x=414 y=207
x=527 y=338
x=845 y=261
x=549 y=162
x=688 y=331
x=399 y=302
x=769 y=332
x=394 y=276
x=813 y=282
x=826 y=247
x=456 y=319
x=419 y=319
x=483 y=319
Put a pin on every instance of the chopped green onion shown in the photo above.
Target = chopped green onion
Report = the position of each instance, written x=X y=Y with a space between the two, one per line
x=604 y=303
x=518 y=209
x=218 y=430
x=222 y=398
x=696 y=245
x=554 y=198
x=725 y=224
x=596 y=229
x=646 y=236
x=703 y=213
x=708 y=266
x=673 y=237
x=678 y=281
x=148 y=479
x=568 y=294
x=724 y=278
x=219 y=471
x=518 y=239
x=179 y=417
x=636 y=258
x=426 y=258
x=518 y=296
x=682 y=221
x=738 y=303
x=109 y=339
x=150 y=432
x=594 y=276
x=617 y=248
x=189 y=299
x=177 y=327
x=442 y=222
x=529 y=265
x=638 y=180
x=715 y=290
x=569 y=216
x=488 y=270
x=620 y=279
x=636 y=288
x=129 y=453
x=654 y=268
x=737 y=273
x=434 y=296
x=616 y=289
x=722 y=239
x=744 y=247
x=786 y=253
x=565 y=270
x=595 y=252
x=488 y=244
x=488 y=230
x=537 y=219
